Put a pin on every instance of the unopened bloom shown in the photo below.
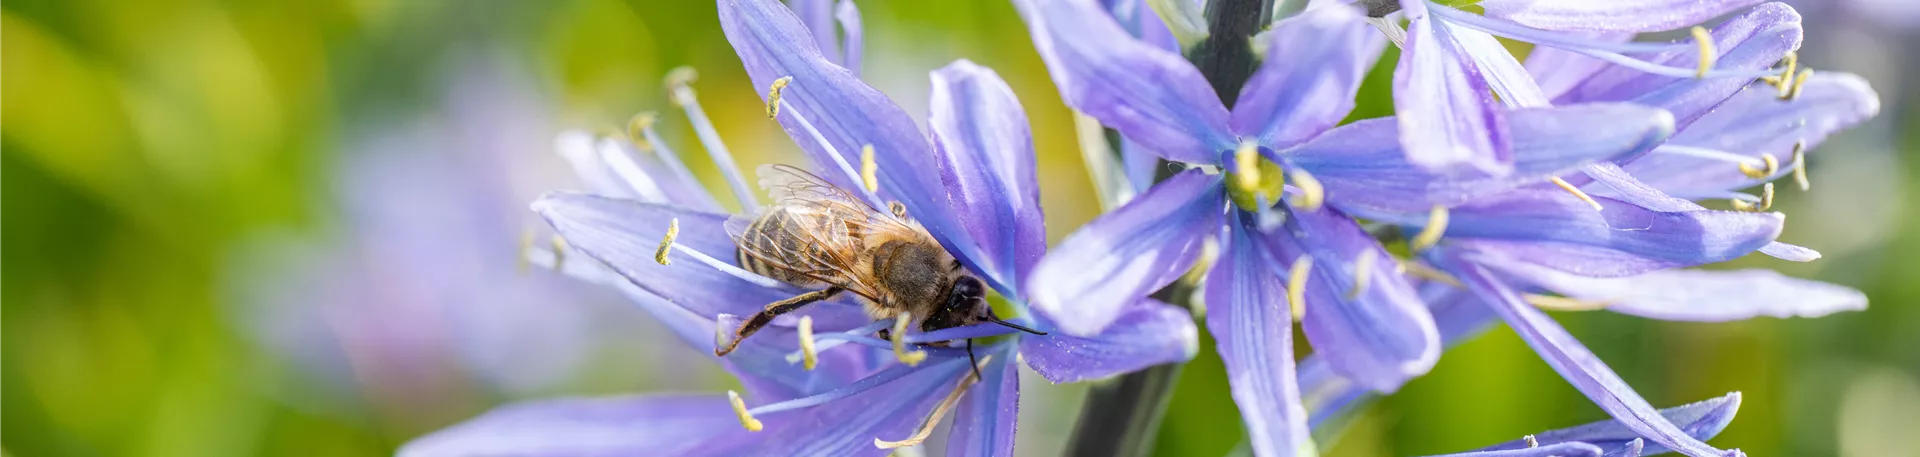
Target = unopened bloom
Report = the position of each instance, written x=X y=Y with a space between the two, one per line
x=972 y=187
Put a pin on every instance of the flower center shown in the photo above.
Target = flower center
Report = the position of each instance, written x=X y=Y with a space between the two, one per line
x=1253 y=182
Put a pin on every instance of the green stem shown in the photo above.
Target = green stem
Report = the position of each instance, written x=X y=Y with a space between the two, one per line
x=1121 y=417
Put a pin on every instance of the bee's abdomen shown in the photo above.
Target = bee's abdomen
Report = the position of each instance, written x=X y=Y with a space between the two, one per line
x=780 y=249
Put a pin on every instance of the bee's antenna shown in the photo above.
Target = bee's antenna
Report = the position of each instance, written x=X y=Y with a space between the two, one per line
x=1023 y=328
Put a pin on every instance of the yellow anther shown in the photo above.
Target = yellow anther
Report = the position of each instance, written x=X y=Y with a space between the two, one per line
x=1312 y=194
x=679 y=83
x=1798 y=82
x=559 y=251
x=1423 y=271
x=526 y=247
x=1566 y=186
x=1209 y=252
x=1800 y=166
x=637 y=130
x=1254 y=182
x=1771 y=165
x=740 y=409
x=773 y=96
x=1362 y=271
x=1789 y=66
x=811 y=357
x=1550 y=302
x=899 y=336
x=666 y=243
x=1742 y=205
x=1707 y=57
x=1766 y=197
x=869 y=169
x=1246 y=161
x=933 y=420
x=1297 y=286
x=1531 y=441
x=1430 y=235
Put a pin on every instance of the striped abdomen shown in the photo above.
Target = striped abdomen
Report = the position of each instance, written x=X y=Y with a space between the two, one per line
x=783 y=246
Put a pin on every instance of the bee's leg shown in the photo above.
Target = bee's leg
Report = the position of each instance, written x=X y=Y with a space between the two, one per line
x=765 y=316
x=972 y=362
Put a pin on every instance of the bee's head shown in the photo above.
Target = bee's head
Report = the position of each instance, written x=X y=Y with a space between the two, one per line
x=968 y=297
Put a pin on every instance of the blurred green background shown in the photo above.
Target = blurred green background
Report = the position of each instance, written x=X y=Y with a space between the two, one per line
x=230 y=226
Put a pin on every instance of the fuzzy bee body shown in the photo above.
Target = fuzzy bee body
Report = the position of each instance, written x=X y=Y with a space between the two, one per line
x=819 y=236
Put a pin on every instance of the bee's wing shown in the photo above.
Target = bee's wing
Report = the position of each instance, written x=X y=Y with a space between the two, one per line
x=787 y=183
x=828 y=253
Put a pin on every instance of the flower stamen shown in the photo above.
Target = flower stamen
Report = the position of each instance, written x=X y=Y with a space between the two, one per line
x=1564 y=185
x=773 y=96
x=1361 y=269
x=666 y=243
x=559 y=250
x=1800 y=166
x=1766 y=197
x=740 y=410
x=899 y=335
x=939 y=412
x=811 y=357
x=1549 y=302
x=1422 y=270
x=1531 y=441
x=1297 y=286
x=1707 y=54
x=637 y=130
x=1770 y=166
x=846 y=168
x=1798 y=81
x=869 y=170
x=1312 y=194
x=1430 y=234
x=680 y=90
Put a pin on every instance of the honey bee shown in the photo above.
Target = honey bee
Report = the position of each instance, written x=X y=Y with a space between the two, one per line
x=819 y=236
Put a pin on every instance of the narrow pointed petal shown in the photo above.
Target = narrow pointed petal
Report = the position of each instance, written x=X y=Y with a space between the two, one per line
x=1147 y=333
x=1314 y=65
x=1610 y=180
x=987 y=162
x=817 y=15
x=1754 y=123
x=1558 y=70
x=1505 y=76
x=624 y=235
x=1699 y=295
x=990 y=413
x=1127 y=254
x=1544 y=450
x=1365 y=171
x=1578 y=364
x=1612 y=15
x=1249 y=319
x=853 y=44
x=1554 y=229
x=1458 y=314
x=847 y=112
x=1448 y=120
x=608 y=426
x=1754 y=40
x=1149 y=94
x=1701 y=420
x=848 y=426
x=1380 y=337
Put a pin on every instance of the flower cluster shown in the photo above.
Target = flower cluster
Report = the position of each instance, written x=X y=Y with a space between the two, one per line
x=1563 y=183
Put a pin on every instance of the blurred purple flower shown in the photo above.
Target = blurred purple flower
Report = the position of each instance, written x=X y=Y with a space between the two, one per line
x=1449 y=72
x=973 y=187
x=1365 y=317
x=416 y=294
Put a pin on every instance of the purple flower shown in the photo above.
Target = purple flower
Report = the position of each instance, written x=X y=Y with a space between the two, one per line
x=415 y=302
x=970 y=182
x=1450 y=70
x=1362 y=315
